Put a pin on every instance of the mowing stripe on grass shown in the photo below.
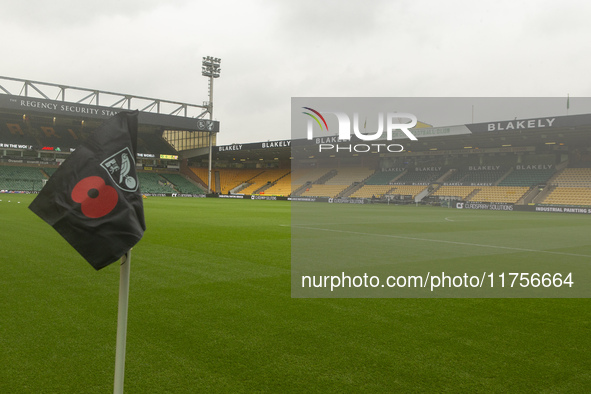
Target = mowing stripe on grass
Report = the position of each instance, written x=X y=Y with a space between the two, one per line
x=442 y=241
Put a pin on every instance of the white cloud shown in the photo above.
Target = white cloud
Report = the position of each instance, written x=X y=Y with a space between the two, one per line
x=272 y=51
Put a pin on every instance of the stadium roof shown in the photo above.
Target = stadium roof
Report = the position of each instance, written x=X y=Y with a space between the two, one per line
x=20 y=97
x=550 y=133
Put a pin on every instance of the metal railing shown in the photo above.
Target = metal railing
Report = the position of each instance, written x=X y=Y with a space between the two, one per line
x=76 y=95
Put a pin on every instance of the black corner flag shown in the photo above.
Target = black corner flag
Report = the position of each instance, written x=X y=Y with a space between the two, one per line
x=93 y=199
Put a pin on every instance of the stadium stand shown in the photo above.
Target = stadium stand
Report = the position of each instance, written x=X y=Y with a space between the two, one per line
x=461 y=192
x=348 y=176
x=17 y=133
x=341 y=180
x=407 y=190
x=571 y=186
x=323 y=190
x=506 y=194
x=471 y=177
x=369 y=191
x=38 y=136
x=573 y=177
x=232 y=178
x=503 y=177
x=183 y=185
x=527 y=177
x=282 y=187
x=382 y=178
x=420 y=177
x=265 y=178
x=302 y=176
x=50 y=170
x=569 y=196
x=229 y=178
x=20 y=178
x=153 y=183
x=457 y=176
x=203 y=175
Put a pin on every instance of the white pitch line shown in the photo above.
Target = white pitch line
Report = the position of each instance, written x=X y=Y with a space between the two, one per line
x=449 y=220
x=443 y=241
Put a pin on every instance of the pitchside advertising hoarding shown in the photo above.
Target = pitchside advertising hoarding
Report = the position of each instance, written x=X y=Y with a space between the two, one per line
x=478 y=249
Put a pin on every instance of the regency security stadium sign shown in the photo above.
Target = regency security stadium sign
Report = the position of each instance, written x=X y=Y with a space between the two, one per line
x=27 y=105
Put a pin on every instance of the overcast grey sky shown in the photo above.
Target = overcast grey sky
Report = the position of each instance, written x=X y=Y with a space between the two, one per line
x=274 y=50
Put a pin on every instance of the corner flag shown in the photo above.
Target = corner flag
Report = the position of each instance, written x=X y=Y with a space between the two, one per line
x=93 y=199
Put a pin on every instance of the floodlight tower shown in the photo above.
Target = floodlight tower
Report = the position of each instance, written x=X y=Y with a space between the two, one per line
x=210 y=68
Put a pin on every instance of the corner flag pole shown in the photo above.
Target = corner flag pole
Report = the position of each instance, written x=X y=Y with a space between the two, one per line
x=122 y=323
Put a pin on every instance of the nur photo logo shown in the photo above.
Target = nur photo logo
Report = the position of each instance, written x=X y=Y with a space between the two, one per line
x=387 y=123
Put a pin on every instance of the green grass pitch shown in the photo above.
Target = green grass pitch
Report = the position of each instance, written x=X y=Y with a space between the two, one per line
x=352 y=239
x=211 y=311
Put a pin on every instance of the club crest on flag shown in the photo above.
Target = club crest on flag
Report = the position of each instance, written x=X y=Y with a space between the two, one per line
x=119 y=167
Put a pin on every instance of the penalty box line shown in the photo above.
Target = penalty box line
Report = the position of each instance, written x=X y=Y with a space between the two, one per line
x=443 y=241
